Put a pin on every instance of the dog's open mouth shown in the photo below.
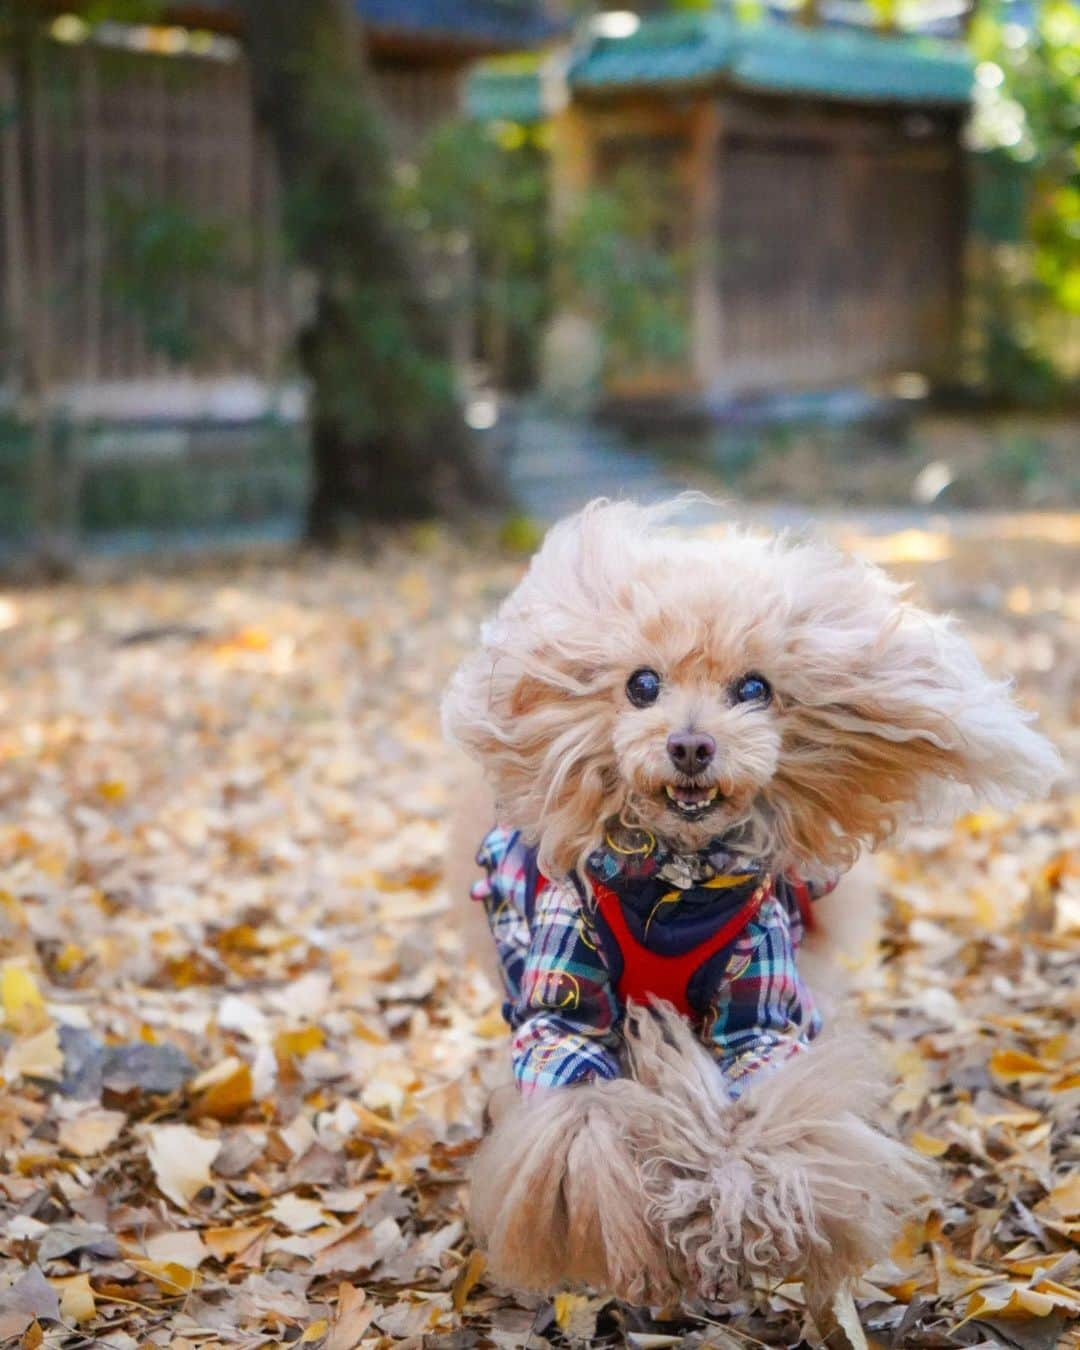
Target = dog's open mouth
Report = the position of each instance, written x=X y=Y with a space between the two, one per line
x=691 y=801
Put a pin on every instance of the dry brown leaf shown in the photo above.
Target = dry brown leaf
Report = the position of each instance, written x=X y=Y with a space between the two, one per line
x=27 y=1299
x=91 y=1132
x=225 y=1091
x=359 y=1249
x=36 y=1056
x=297 y=1214
x=352 y=1318
x=182 y=1248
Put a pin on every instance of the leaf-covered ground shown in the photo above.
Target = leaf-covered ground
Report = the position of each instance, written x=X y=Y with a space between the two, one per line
x=243 y=1060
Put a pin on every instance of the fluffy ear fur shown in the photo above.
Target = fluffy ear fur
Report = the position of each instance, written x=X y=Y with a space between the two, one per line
x=888 y=715
x=883 y=712
x=533 y=702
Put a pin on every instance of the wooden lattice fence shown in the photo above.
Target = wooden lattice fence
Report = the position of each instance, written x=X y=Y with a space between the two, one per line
x=150 y=225
x=147 y=315
x=841 y=240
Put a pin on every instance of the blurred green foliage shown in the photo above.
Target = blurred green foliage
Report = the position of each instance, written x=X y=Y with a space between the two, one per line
x=616 y=259
x=1028 y=108
x=622 y=262
x=1027 y=114
x=484 y=188
x=166 y=266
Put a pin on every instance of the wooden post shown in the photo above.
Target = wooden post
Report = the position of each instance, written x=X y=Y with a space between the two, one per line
x=706 y=334
x=36 y=177
x=14 y=225
x=571 y=163
x=94 y=209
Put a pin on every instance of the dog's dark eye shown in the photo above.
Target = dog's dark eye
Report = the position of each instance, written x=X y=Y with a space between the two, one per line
x=643 y=688
x=752 y=689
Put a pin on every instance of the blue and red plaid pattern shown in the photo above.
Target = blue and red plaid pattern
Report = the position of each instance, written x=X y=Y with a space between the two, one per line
x=561 y=1002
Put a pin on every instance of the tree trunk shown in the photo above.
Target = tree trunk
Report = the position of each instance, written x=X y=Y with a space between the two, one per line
x=389 y=440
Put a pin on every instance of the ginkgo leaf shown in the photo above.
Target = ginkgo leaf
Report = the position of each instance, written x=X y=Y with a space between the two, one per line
x=35 y=1056
x=181 y=1159
x=77 y=1302
x=91 y=1132
x=21 y=999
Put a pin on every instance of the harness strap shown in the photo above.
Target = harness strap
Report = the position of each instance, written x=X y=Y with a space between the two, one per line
x=652 y=975
x=805 y=902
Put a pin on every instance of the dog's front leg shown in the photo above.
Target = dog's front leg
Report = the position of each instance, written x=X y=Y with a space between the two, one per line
x=557 y=1198
x=793 y=1181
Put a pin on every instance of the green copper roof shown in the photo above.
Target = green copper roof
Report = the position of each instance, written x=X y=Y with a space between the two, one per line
x=494 y=93
x=685 y=50
x=840 y=63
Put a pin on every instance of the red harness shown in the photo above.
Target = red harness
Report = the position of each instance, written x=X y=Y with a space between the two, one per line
x=805 y=902
x=650 y=975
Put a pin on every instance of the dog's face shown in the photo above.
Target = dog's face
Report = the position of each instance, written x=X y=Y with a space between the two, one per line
x=777 y=694
x=695 y=743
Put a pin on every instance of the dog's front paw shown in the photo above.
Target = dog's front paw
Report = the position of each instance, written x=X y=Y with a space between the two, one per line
x=556 y=1196
x=793 y=1181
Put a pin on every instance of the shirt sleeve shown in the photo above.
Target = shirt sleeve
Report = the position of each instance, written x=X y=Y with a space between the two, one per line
x=565 y=1020
x=762 y=1011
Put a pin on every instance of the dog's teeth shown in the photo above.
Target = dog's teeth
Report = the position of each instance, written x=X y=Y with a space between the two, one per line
x=691 y=806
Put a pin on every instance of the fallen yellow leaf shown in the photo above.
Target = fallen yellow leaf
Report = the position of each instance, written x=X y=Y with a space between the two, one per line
x=1064 y=1199
x=1011 y=1066
x=76 y=1298
x=226 y=1090
x=1021 y=1301
x=23 y=1005
x=171 y=1276
x=569 y=1309
x=491 y=1026
x=467 y=1278
x=929 y=1145
x=296 y=1044
x=227 y=1242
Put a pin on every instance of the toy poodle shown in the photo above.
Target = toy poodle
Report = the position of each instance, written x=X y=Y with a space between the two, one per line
x=688 y=740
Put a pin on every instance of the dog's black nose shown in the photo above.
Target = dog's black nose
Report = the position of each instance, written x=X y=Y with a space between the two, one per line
x=690 y=751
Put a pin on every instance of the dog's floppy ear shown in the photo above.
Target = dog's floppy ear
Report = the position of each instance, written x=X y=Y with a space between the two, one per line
x=889 y=715
x=531 y=702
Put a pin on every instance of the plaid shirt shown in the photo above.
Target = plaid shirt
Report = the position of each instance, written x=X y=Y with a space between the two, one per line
x=562 y=1004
